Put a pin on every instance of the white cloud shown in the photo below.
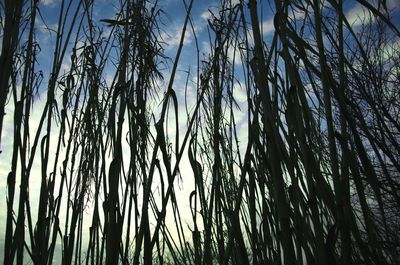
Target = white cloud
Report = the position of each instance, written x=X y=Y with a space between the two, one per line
x=172 y=36
x=234 y=53
x=47 y=2
x=239 y=92
x=235 y=2
x=393 y=5
x=267 y=26
x=206 y=47
x=359 y=15
x=206 y=15
x=391 y=50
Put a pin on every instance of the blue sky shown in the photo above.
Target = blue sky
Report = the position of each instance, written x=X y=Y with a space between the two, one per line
x=173 y=21
x=173 y=18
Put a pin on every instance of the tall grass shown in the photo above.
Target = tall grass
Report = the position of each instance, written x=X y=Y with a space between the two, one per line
x=289 y=153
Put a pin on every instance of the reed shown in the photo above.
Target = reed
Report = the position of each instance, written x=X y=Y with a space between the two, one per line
x=289 y=153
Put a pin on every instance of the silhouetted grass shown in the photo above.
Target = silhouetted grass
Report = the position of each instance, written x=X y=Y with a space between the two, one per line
x=298 y=166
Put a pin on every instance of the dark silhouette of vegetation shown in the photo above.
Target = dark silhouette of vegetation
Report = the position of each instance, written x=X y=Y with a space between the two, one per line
x=310 y=175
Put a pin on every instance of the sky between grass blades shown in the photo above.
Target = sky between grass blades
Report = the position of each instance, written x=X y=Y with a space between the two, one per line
x=220 y=156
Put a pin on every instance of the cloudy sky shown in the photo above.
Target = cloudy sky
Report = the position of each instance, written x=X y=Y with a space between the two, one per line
x=172 y=21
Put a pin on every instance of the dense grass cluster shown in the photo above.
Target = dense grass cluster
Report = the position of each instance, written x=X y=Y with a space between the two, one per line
x=314 y=178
